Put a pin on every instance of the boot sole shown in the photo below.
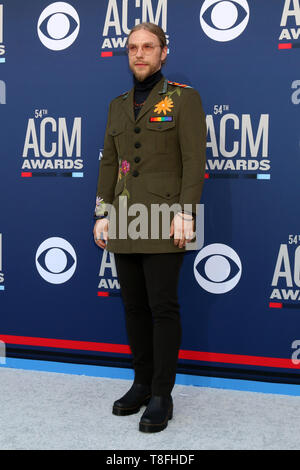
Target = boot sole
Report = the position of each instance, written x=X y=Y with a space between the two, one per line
x=153 y=427
x=121 y=411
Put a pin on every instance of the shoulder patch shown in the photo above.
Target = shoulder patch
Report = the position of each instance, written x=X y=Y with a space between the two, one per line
x=123 y=95
x=178 y=84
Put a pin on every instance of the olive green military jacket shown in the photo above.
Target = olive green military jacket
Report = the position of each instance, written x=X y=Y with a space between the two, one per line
x=150 y=164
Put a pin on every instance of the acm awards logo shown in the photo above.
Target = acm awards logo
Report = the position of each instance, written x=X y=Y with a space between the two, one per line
x=2 y=46
x=224 y=20
x=120 y=18
x=1 y=266
x=286 y=276
x=237 y=144
x=52 y=144
x=290 y=24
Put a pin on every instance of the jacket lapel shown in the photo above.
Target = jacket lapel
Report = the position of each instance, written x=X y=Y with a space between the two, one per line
x=128 y=104
x=153 y=98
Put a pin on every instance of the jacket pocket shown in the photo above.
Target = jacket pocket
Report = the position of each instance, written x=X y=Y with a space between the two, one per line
x=165 y=186
x=162 y=135
x=118 y=133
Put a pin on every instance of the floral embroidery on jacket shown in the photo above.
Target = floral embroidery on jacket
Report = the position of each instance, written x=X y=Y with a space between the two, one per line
x=167 y=103
x=124 y=168
x=100 y=208
x=164 y=105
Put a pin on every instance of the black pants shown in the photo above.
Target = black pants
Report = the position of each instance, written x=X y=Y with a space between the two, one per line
x=149 y=290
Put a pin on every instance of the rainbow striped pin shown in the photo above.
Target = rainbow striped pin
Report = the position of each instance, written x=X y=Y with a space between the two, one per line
x=161 y=119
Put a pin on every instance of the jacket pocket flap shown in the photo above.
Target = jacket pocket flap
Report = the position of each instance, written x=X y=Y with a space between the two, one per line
x=160 y=126
x=116 y=130
x=165 y=187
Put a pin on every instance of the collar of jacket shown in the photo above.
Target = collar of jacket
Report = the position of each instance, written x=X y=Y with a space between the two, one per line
x=160 y=88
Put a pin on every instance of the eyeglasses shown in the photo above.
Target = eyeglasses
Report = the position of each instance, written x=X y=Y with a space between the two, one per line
x=147 y=48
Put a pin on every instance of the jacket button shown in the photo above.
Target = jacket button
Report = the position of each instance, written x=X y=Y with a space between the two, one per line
x=137 y=145
x=137 y=130
x=168 y=194
x=135 y=173
x=137 y=159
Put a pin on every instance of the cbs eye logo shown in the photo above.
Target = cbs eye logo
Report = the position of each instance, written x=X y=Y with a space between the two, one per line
x=56 y=260
x=58 y=26
x=224 y=20
x=217 y=268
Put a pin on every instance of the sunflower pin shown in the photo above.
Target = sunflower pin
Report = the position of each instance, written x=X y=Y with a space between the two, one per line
x=164 y=105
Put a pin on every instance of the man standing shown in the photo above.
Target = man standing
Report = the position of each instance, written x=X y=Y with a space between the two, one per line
x=154 y=156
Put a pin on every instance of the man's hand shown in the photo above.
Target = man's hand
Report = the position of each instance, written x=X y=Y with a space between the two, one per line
x=101 y=227
x=182 y=227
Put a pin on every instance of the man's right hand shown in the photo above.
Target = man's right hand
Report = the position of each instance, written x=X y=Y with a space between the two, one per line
x=101 y=227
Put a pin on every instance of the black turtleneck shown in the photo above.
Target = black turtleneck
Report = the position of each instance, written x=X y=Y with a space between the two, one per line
x=142 y=89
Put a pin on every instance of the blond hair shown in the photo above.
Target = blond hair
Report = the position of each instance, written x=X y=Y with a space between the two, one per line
x=154 y=29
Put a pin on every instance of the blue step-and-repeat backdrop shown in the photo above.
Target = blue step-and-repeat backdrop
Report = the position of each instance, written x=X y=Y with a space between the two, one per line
x=61 y=63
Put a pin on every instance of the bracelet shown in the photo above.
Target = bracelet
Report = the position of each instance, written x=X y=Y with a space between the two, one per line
x=99 y=217
x=181 y=215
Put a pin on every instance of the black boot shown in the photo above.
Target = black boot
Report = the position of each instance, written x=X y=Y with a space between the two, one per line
x=158 y=412
x=131 y=402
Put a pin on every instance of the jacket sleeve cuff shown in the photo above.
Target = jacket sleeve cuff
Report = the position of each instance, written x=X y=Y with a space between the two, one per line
x=101 y=209
x=189 y=213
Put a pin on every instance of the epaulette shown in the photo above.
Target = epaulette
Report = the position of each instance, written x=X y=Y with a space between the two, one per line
x=178 y=84
x=123 y=95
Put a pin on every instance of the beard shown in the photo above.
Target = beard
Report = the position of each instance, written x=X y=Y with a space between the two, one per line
x=141 y=75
